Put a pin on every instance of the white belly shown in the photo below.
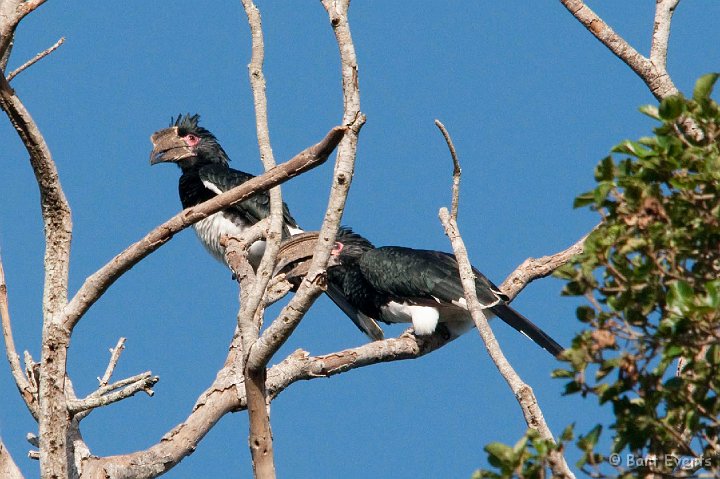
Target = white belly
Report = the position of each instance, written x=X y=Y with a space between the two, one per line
x=211 y=229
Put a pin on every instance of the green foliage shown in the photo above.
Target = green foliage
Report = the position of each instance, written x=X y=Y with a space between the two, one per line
x=651 y=276
x=528 y=458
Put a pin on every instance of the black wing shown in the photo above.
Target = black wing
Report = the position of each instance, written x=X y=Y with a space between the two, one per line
x=414 y=273
x=252 y=209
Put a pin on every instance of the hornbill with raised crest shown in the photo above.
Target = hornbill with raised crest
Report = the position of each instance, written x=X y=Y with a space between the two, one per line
x=205 y=174
x=395 y=284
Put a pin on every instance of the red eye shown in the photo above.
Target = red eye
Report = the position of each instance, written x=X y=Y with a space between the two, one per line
x=191 y=140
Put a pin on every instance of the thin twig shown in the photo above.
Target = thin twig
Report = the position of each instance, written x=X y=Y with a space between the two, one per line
x=114 y=357
x=142 y=382
x=27 y=392
x=535 y=268
x=523 y=392
x=35 y=59
x=457 y=171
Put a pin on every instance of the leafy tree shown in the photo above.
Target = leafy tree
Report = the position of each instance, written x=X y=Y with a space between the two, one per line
x=650 y=273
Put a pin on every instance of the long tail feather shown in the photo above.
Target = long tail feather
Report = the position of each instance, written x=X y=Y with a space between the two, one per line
x=525 y=326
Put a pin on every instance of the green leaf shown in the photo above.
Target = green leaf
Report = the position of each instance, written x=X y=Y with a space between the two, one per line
x=499 y=454
x=585 y=314
x=680 y=296
x=712 y=298
x=605 y=169
x=519 y=446
x=704 y=86
x=673 y=351
x=650 y=110
x=601 y=192
x=587 y=442
x=562 y=373
x=672 y=107
x=567 y=434
x=583 y=200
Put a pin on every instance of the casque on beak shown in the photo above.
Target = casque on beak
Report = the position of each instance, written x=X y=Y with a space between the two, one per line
x=168 y=146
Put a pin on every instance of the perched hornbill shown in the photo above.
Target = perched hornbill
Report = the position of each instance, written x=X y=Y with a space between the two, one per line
x=394 y=284
x=205 y=174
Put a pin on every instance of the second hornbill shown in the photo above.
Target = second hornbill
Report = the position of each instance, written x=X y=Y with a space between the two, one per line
x=394 y=284
x=205 y=174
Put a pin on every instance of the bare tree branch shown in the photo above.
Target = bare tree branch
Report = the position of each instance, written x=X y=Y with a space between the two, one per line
x=260 y=438
x=53 y=417
x=27 y=392
x=654 y=76
x=535 y=268
x=114 y=357
x=523 y=392
x=310 y=288
x=35 y=59
x=227 y=393
x=96 y=284
x=664 y=10
x=274 y=234
x=8 y=468
x=120 y=390
x=457 y=171
x=260 y=435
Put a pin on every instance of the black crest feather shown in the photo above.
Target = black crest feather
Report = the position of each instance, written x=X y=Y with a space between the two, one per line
x=354 y=245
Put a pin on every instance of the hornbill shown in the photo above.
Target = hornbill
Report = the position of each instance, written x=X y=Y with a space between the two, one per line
x=205 y=174
x=394 y=284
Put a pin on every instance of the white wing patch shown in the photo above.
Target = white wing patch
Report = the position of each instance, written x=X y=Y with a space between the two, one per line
x=212 y=187
x=295 y=231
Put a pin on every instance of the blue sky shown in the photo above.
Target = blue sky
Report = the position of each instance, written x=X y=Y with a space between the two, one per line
x=532 y=101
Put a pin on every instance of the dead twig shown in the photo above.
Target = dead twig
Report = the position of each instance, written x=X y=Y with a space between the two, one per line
x=115 y=392
x=114 y=357
x=35 y=59
x=27 y=392
x=523 y=392
x=457 y=171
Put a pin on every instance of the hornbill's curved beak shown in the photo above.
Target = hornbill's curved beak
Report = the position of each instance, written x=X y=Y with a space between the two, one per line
x=168 y=146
